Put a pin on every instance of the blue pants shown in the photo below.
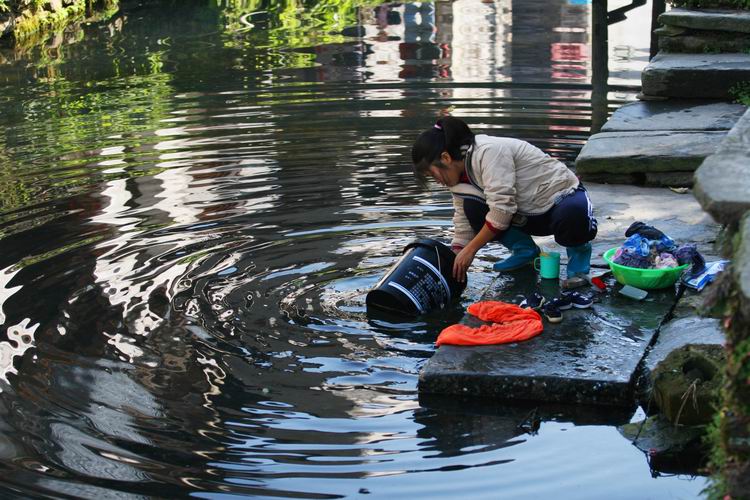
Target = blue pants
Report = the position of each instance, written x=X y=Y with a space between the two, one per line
x=571 y=220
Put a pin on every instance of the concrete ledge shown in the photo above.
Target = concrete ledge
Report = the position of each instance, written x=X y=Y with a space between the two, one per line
x=688 y=75
x=722 y=182
x=633 y=152
x=707 y=19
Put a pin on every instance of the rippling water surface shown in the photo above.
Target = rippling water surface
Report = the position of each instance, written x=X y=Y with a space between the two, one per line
x=193 y=203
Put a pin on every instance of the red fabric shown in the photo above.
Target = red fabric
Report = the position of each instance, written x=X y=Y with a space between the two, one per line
x=510 y=323
x=491 y=227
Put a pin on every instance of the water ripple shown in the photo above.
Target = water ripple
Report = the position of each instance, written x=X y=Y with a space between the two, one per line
x=194 y=203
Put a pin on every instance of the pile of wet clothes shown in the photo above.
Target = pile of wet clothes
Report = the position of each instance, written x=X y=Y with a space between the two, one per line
x=649 y=248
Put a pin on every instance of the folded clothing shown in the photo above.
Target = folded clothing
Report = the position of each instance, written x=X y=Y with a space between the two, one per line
x=510 y=323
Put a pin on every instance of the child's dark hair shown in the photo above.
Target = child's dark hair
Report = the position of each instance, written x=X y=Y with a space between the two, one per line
x=448 y=134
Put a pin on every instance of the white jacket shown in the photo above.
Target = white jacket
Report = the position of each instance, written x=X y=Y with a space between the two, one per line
x=513 y=177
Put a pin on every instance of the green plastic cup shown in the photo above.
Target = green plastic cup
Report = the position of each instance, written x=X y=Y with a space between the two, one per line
x=548 y=265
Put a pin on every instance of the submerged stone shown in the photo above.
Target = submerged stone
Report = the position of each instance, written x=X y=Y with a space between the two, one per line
x=671 y=449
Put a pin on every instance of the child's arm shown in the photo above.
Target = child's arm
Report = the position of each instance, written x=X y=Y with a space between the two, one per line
x=462 y=231
x=497 y=170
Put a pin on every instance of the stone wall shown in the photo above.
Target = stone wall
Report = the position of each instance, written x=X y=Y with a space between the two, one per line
x=722 y=186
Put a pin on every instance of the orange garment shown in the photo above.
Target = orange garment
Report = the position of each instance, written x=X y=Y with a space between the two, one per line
x=510 y=323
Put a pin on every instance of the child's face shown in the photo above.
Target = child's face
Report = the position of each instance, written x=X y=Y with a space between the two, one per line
x=447 y=173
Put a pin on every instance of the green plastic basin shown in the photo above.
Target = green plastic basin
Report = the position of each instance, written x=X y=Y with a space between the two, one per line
x=647 y=279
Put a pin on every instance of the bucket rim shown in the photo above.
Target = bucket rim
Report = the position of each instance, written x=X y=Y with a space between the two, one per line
x=426 y=242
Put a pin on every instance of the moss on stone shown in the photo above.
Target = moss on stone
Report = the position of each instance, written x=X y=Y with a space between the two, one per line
x=44 y=20
x=31 y=25
x=730 y=433
x=687 y=384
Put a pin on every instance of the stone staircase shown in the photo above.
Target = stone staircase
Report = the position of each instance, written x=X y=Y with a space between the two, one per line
x=685 y=110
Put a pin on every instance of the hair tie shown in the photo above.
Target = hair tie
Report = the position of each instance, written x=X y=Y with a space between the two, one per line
x=438 y=126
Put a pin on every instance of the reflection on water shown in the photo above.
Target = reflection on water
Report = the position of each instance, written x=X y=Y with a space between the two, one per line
x=193 y=204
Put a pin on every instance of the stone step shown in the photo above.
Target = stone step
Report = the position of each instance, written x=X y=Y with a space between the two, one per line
x=674 y=115
x=709 y=76
x=713 y=20
x=656 y=158
x=703 y=41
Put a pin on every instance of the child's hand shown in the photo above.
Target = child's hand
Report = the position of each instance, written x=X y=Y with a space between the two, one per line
x=461 y=264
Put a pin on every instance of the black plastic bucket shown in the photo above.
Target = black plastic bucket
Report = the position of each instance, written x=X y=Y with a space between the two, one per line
x=419 y=282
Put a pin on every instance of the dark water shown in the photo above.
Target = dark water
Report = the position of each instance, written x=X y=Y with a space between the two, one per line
x=193 y=203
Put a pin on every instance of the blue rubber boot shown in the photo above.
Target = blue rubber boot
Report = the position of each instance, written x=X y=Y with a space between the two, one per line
x=579 y=260
x=522 y=248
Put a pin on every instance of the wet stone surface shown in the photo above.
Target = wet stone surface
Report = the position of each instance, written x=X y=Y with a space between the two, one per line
x=682 y=332
x=591 y=357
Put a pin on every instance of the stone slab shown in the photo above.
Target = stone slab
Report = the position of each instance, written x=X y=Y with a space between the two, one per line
x=632 y=152
x=708 y=76
x=675 y=115
x=699 y=42
x=591 y=357
x=708 y=19
x=592 y=353
x=722 y=182
x=682 y=332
